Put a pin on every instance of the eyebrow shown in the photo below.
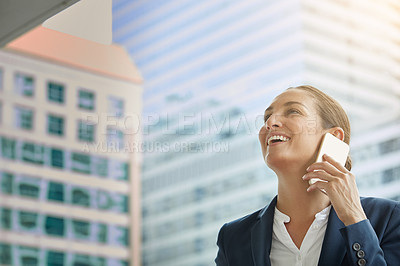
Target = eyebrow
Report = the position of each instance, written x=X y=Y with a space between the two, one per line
x=286 y=104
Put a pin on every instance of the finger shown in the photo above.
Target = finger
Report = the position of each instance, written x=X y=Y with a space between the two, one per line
x=335 y=163
x=320 y=174
x=319 y=186
x=324 y=166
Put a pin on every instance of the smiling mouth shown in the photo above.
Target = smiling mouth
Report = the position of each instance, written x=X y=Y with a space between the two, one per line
x=276 y=139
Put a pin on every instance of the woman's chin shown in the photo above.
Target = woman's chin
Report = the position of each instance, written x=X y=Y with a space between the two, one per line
x=279 y=163
x=275 y=161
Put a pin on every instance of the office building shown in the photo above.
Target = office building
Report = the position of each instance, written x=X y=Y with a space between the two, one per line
x=220 y=61
x=70 y=187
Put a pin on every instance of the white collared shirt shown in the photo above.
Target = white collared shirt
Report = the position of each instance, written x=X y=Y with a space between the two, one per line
x=283 y=250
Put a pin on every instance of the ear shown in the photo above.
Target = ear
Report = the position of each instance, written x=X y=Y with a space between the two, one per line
x=337 y=132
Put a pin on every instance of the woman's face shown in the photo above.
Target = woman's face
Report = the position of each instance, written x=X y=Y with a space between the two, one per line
x=292 y=131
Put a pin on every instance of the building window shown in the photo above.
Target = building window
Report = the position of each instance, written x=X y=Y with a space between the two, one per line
x=28 y=220
x=123 y=236
x=86 y=100
x=28 y=256
x=7 y=183
x=23 y=117
x=6 y=218
x=29 y=187
x=85 y=131
x=81 y=260
x=81 y=229
x=55 y=226
x=119 y=170
x=55 y=92
x=32 y=153
x=57 y=158
x=104 y=200
x=80 y=196
x=5 y=254
x=80 y=163
x=100 y=166
x=55 y=191
x=24 y=85
x=389 y=146
x=121 y=203
x=55 y=125
x=99 y=261
x=119 y=236
x=102 y=233
x=8 y=148
x=115 y=106
x=55 y=258
x=115 y=139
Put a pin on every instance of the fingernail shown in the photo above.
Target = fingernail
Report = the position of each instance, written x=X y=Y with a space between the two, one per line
x=304 y=176
x=308 y=168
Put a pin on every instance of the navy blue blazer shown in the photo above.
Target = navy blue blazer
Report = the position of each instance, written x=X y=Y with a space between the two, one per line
x=375 y=241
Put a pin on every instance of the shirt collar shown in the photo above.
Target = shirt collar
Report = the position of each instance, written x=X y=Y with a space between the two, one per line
x=320 y=218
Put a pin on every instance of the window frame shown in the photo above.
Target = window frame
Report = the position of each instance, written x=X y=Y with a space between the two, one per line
x=115 y=138
x=79 y=98
x=113 y=109
x=53 y=163
x=63 y=131
x=77 y=166
x=36 y=156
x=57 y=99
x=11 y=152
x=81 y=136
x=21 y=91
x=19 y=114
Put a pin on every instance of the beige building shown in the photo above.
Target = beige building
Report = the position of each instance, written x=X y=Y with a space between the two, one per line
x=70 y=180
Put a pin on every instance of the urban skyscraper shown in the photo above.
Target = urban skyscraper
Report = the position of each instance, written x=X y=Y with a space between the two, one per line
x=68 y=187
x=210 y=70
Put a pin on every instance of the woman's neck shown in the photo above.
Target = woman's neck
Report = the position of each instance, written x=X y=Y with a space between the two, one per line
x=296 y=202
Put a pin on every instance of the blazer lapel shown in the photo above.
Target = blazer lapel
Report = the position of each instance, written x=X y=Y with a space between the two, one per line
x=333 y=246
x=261 y=235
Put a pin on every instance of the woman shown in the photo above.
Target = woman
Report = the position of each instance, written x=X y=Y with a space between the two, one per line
x=325 y=223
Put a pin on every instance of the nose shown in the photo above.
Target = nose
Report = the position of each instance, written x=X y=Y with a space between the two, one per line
x=273 y=121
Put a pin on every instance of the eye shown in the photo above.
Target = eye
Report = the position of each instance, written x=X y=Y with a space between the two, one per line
x=266 y=116
x=293 y=111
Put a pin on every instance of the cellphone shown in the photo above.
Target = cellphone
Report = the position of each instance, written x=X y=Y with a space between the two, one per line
x=335 y=148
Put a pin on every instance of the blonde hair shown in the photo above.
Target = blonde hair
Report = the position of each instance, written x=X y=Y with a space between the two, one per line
x=331 y=113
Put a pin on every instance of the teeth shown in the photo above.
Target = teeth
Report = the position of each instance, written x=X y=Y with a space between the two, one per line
x=281 y=138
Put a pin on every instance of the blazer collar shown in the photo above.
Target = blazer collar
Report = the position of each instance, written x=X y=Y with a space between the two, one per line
x=261 y=235
x=333 y=246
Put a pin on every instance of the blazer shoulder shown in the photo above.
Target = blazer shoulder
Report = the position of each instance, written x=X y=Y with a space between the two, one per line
x=381 y=211
x=383 y=204
x=241 y=225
